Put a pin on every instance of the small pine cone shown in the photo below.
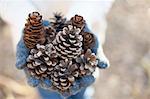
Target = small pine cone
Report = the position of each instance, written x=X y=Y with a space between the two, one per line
x=68 y=43
x=62 y=76
x=78 y=21
x=34 y=30
x=58 y=22
x=50 y=34
x=88 y=40
x=88 y=62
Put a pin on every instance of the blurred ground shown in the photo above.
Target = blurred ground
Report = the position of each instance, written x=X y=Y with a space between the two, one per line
x=127 y=46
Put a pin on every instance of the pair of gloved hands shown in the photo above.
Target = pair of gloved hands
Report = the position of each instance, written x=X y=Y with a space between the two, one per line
x=22 y=54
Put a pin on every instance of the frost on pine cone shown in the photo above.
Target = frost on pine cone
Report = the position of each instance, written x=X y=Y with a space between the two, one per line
x=64 y=74
x=60 y=52
x=41 y=61
x=68 y=42
x=88 y=62
x=34 y=30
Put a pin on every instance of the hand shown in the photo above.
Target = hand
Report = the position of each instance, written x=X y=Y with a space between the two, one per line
x=22 y=54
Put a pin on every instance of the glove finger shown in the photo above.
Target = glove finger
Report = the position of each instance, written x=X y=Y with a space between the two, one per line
x=82 y=83
x=87 y=81
x=21 y=55
x=103 y=64
x=46 y=83
x=32 y=81
x=75 y=88
x=66 y=94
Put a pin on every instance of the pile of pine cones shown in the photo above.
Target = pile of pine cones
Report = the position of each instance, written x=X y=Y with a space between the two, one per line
x=60 y=52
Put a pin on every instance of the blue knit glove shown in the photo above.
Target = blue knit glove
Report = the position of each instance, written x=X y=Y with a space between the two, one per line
x=22 y=54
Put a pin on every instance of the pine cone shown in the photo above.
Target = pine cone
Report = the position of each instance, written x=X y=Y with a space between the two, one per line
x=58 y=22
x=88 y=62
x=88 y=40
x=39 y=62
x=63 y=75
x=59 y=79
x=34 y=30
x=68 y=43
x=78 y=21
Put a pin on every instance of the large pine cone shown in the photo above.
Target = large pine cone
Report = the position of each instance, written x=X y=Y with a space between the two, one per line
x=34 y=30
x=68 y=43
